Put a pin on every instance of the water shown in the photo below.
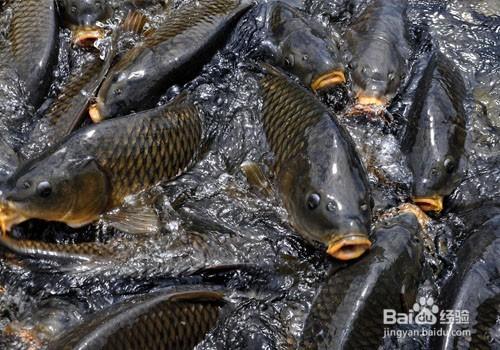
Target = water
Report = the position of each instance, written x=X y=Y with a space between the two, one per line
x=218 y=230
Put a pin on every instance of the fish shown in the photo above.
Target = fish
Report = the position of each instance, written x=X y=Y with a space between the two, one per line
x=33 y=36
x=474 y=289
x=321 y=180
x=173 y=54
x=434 y=143
x=301 y=47
x=81 y=252
x=94 y=170
x=82 y=17
x=175 y=320
x=379 y=50
x=347 y=311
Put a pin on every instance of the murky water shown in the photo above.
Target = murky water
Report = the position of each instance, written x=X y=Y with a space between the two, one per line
x=216 y=229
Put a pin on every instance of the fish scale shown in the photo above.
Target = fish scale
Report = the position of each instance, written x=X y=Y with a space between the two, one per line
x=33 y=37
x=172 y=325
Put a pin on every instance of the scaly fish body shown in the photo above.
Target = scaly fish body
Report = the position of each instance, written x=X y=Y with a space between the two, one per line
x=34 y=39
x=379 y=48
x=302 y=48
x=171 y=321
x=321 y=180
x=347 y=312
x=172 y=55
x=474 y=288
x=39 y=249
x=94 y=169
x=436 y=133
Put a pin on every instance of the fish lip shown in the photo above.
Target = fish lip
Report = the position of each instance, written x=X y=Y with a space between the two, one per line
x=86 y=36
x=9 y=217
x=348 y=247
x=95 y=111
x=429 y=203
x=329 y=79
x=364 y=99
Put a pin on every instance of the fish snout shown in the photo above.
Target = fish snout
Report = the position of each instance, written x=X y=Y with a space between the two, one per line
x=9 y=216
x=429 y=203
x=373 y=93
x=329 y=79
x=96 y=110
x=348 y=247
x=85 y=36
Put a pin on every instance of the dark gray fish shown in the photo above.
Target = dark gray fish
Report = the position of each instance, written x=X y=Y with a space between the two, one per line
x=301 y=47
x=474 y=289
x=321 y=180
x=92 y=171
x=34 y=39
x=379 y=51
x=159 y=321
x=347 y=312
x=435 y=135
x=173 y=54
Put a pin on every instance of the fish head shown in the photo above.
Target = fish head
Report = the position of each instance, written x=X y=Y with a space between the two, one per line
x=82 y=16
x=54 y=187
x=314 y=60
x=85 y=12
x=111 y=100
x=435 y=156
x=375 y=78
x=327 y=197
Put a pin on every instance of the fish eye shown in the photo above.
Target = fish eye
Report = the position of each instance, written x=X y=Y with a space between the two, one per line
x=305 y=58
x=449 y=164
x=434 y=172
x=313 y=201
x=289 y=61
x=118 y=92
x=331 y=206
x=44 y=189
x=391 y=76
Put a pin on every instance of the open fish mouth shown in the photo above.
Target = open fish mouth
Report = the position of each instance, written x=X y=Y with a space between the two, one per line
x=348 y=247
x=367 y=100
x=329 y=79
x=434 y=203
x=86 y=36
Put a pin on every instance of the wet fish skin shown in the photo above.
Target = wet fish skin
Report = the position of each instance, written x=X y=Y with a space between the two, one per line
x=379 y=51
x=436 y=123
x=67 y=111
x=68 y=252
x=474 y=287
x=85 y=12
x=301 y=48
x=347 y=312
x=94 y=169
x=34 y=40
x=170 y=321
x=174 y=54
x=321 y=180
